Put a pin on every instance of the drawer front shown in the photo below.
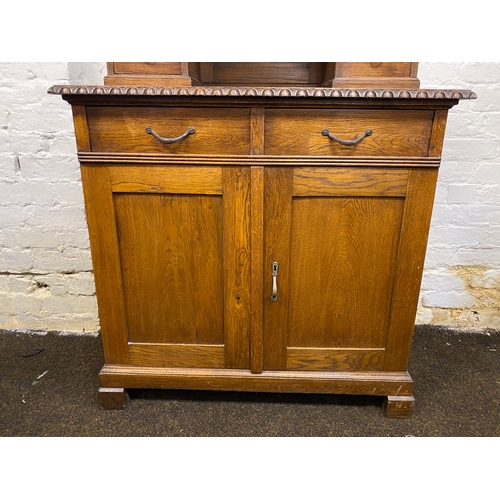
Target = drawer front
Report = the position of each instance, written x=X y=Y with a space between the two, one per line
x=123 y=130
x=393 y=132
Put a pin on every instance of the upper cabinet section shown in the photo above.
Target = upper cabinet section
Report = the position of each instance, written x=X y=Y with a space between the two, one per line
x=374 y=75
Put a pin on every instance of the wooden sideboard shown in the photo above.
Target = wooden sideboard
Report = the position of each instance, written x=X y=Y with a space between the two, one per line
x=258 y=238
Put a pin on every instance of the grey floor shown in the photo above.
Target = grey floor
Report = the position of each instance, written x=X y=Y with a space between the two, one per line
x=48 y=387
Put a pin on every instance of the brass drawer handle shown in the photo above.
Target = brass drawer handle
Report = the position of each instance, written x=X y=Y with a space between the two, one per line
x=166 y=140
x=274 y=296
x=366 y=133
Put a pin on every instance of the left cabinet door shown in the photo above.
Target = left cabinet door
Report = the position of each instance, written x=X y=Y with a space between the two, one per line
x=170 y=249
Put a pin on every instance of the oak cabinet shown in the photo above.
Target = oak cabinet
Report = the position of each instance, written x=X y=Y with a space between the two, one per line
x=256 y=239
x=171 y=263
x=336 y=244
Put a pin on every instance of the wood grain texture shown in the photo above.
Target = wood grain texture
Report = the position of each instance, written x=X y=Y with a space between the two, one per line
x=399 y=406
x=438 y=130
x=122 y=129
x=268 y=73
x=409 y=267
x=262 y=73
x=334 y=359
x=257 y=120
x=147 y=68
x=413 y=69
x=237 y=266
x=115 y=81
x=369 y=383
x=147 y=73
x=277 y=227
x=257 y=267
x=171 y=254
x=184 y=235
x=324 y=181
x=105 y=249
x=369 y=70
x=395 y=133
x=376 y=74
x=81 y=128
x=177 y=355
x=174 y=180
x=378 y=162
x=343 y=254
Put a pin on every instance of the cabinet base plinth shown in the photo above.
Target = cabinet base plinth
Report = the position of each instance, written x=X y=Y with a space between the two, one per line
x=114 y=377
x=111 y=398
x=399 y=406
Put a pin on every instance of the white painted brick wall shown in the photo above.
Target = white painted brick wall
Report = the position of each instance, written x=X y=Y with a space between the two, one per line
x=46 y=280
x=461 y=285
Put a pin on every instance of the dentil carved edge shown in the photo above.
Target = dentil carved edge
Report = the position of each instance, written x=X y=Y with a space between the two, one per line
x=263 y=92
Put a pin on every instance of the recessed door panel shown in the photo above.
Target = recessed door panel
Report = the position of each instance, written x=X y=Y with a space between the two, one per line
x=171 y=255
x=336 y=244
x=177 y=255
x=342 y=261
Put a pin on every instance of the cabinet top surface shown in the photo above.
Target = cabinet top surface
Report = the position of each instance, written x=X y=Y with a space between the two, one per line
x=271 y=92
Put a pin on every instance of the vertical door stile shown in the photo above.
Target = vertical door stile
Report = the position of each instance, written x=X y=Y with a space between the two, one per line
x=257 y=248
x=408 y=274
x=101 y=220
x=257 y=122
x=277 y=227
x=237 y=266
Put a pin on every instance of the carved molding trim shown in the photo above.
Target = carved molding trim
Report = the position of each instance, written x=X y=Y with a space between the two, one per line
x=262 y=92
x=259 y=160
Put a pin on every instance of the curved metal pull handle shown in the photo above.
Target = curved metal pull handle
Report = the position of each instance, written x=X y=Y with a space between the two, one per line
x=166 y=140
x=366 y=133
x=274 y=296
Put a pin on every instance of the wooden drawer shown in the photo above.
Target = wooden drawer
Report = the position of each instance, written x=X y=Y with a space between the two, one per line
x=123 y=130
x=393 y=132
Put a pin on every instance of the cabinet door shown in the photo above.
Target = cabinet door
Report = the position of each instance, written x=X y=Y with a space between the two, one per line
x=171 y=258
x=338 y=237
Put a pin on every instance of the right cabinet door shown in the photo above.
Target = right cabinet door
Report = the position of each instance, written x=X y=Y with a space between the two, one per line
x=348 y=266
